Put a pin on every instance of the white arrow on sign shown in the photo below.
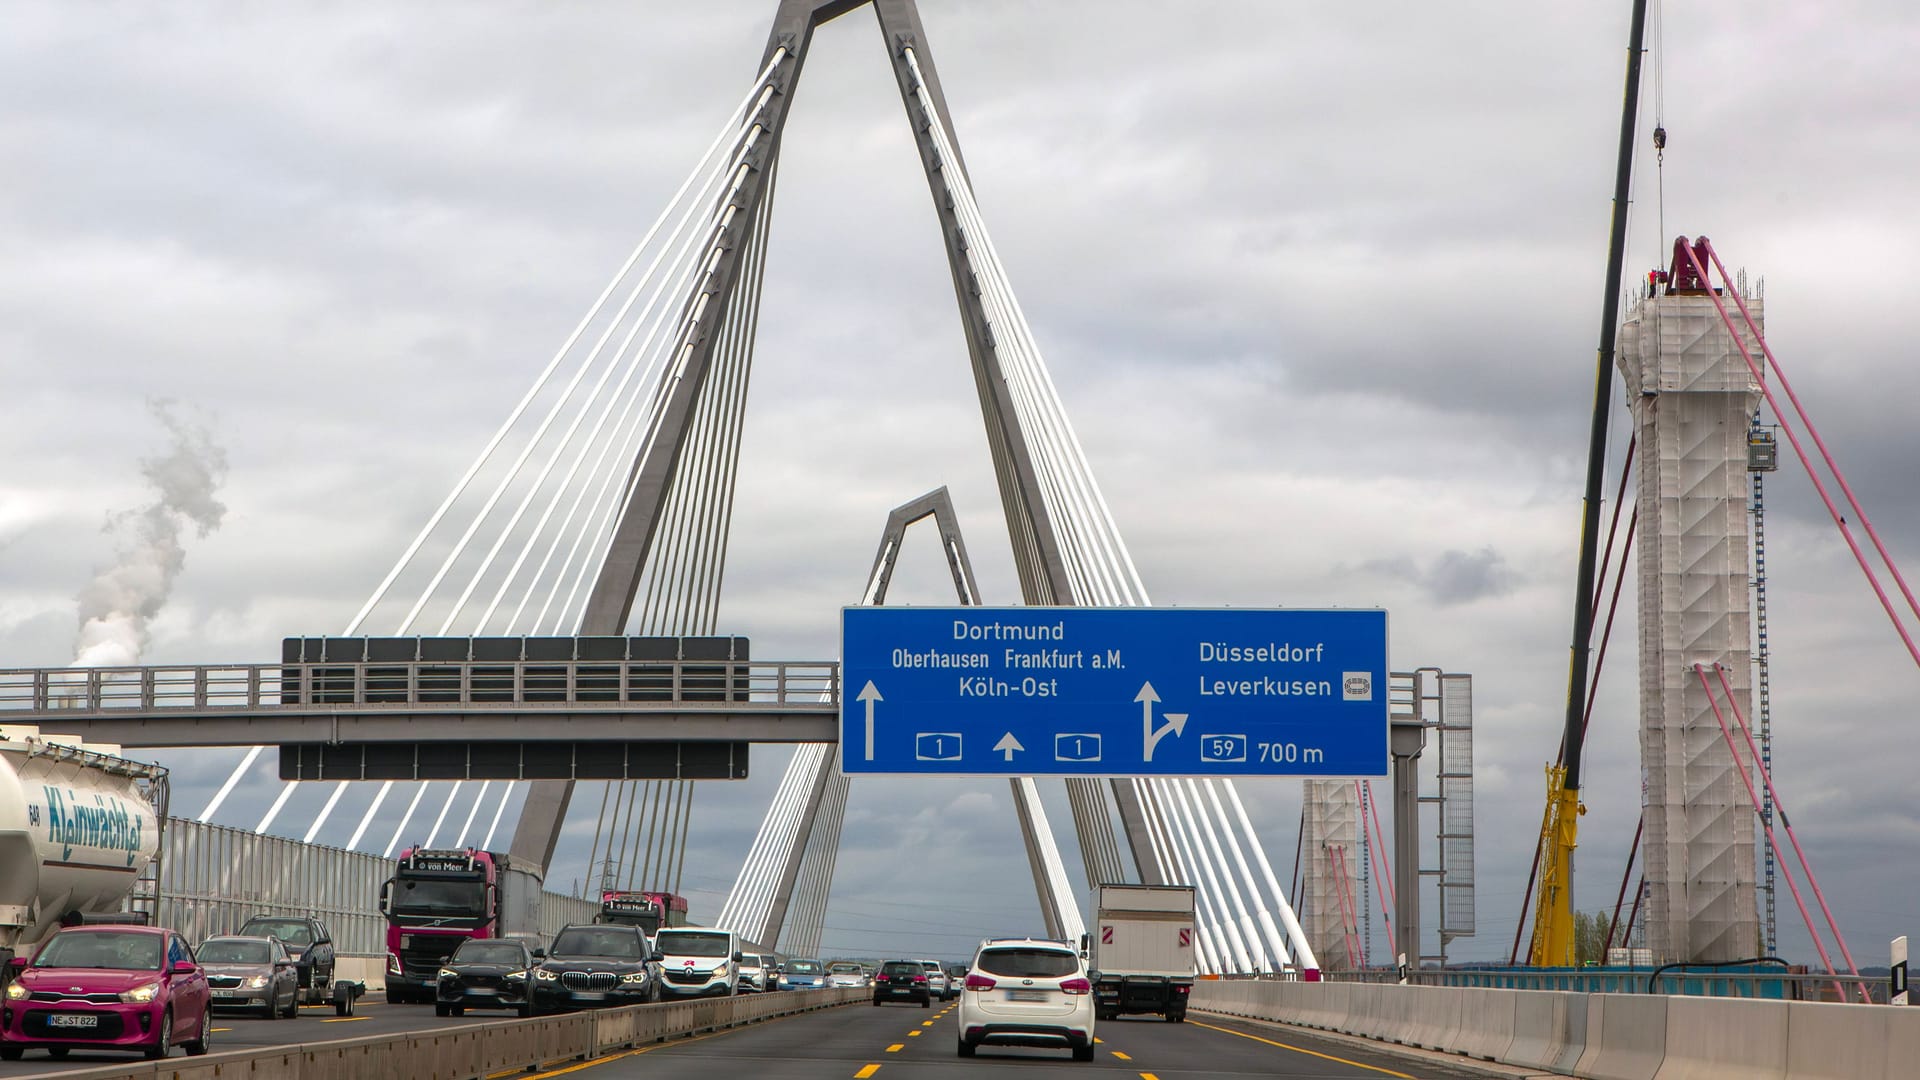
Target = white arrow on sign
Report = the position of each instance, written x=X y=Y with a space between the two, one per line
x=869 y=695
x=1007 y=745
x=1176 y=722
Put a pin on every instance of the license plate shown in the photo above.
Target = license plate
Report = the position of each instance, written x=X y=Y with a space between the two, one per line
x=224 y=995
x=1027 y=995
x=73 y=1020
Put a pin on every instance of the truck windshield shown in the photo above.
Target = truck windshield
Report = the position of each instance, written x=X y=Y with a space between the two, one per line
x=431 y=896
x=689 y=943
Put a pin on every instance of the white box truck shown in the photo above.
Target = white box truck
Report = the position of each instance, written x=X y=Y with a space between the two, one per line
x=1142 y=950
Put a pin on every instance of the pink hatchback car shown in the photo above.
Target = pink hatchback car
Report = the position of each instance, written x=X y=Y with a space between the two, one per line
x=107 y=988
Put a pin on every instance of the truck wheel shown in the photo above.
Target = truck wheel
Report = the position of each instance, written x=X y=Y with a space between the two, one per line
x=1108 y=1014
x=343 y=1005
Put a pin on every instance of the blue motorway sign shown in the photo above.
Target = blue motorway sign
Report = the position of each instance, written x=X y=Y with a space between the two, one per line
x=1113 y=691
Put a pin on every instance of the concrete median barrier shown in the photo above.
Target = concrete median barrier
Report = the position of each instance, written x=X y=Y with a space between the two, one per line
x=1486 y=1028
x=470 y=1051
x=1626 y=1037
x=1723 y=1039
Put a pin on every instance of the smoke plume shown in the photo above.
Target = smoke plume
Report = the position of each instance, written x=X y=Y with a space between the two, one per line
x=117 y=605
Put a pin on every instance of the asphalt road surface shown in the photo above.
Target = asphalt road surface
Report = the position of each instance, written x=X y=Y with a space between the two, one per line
x=860 y=1042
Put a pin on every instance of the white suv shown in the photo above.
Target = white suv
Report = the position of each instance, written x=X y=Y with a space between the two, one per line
x=938 y=984
x=1026 y=992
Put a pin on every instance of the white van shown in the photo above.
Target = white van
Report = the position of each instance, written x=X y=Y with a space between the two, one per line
x=695 y=962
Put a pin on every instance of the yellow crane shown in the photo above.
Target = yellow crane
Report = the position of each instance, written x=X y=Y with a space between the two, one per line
x=1553 y=944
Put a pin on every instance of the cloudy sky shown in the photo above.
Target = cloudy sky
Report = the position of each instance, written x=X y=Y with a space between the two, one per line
x=1320 y=285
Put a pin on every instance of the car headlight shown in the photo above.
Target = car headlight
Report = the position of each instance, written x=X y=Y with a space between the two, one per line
x=449 y=973
x=635 y=977
x=514 y=975
x=544 y=975
x=141 y=994
x=256 y=982
x=18 y=992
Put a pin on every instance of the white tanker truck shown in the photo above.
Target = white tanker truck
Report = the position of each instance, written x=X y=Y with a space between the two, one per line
x=77 y=828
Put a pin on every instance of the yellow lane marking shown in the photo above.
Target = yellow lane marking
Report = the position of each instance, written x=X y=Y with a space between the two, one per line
x=1302 y=1050
x=926 y=1023
x=1097 y=1040
x=896 y=1048
x=217 y=1031
x=913 y=1034
x=1121 y=1056
x=345 y=1019
x=627 y=1054
x=1148 y=1076
x=866 y=1072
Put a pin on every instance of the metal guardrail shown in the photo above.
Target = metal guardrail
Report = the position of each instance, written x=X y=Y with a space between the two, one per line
x=1769 y=984
x=629 y=685
x=471 y=1051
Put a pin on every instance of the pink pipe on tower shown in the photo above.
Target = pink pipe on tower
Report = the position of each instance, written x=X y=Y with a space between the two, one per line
x=1781 y=809
x=1819 y=443
x=1805 y=915
x=1818 y=485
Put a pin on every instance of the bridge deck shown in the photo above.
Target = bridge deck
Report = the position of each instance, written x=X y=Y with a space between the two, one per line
x=254 y=704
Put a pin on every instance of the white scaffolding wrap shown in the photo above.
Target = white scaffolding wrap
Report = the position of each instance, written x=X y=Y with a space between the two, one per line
x=1331 y=848
x=1693 y=399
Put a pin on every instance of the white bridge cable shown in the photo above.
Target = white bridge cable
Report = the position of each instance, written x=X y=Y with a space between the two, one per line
x=467 y=825
x=319 y=819
x=756 y=97
x=398 y=830
x=592 y=312
x=492 y=827
x=434 y=834
x=631 y=366
x=1069 y=489
x=686 y=343
x=706 y=176
x=1212 y=908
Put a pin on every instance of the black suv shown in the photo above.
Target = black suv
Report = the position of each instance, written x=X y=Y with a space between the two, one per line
x=592 y=966
x=309 y=944
x=486 y=973
x=902 y=980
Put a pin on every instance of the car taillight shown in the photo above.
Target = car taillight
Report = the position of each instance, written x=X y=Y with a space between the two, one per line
x=1076 y=986
x=1183 y=989
x=979 y=982
x=919 y=978
x=879 y=978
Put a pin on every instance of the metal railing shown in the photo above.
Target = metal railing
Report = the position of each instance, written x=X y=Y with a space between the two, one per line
x=1756 y=982
x=214 y=878
x=199 y=689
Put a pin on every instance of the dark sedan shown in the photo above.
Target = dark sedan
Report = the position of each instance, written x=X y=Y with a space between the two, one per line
x=592 y=967
x=486 y=973
x=902 y=980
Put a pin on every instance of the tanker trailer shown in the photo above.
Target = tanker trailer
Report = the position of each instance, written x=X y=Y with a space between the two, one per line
x=76 y=831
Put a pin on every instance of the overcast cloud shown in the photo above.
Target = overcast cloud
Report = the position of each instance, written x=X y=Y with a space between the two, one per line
x=1319 y=285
